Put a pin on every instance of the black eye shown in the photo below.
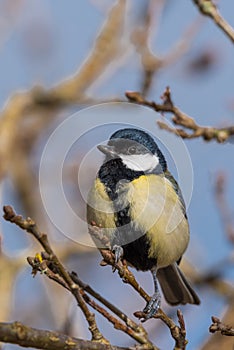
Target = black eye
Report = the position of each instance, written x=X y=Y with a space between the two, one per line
x=132 y=150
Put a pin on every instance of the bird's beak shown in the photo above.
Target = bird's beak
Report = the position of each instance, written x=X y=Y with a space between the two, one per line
x=107 y=150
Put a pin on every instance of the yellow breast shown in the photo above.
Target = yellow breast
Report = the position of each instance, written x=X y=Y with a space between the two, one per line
x=100 y=208
x=156 y=209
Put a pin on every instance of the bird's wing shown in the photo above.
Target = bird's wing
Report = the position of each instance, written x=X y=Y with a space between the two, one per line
x=176 y=188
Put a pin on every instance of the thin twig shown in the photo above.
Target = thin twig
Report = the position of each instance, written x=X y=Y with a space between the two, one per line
x=178 y=333
x=217 y=341
x=124 y=273
x=151 y=61
x=39 y=100
x=30 y=226
x=182 y=119
x=135 y=331
x=48 y=265
x=218 y=326
x=183 y=45
x=133 y=325
x=107 y=47
x=140 y=38
x=208 y=8
x=224 y=210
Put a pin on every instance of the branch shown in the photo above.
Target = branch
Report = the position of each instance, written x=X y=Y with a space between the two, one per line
x=41 y=101
x=208 y=8
x=48 y=264
x=137 y=332
x=17 y=333
x=218 y=341
x=182 y=119
x=140 y=38
x=105 y=302
x=30 y=226
x=151 y=61
x=107 y=47
x=224 y=210
x=9 y=269
x=213 y=278
x=218 y=326
x=178 y=332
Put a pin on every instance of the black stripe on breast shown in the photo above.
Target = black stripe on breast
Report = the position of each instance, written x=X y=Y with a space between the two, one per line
x=137 y=251
x=137 y=254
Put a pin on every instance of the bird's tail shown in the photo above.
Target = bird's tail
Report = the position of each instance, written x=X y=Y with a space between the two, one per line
x=175 y=287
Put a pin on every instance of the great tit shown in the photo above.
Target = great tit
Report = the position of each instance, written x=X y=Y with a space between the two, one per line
x=139 y=204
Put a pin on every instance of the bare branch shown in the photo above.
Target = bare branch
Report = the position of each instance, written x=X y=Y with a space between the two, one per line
x=224 y=210
x=151 y=61
x=48 y=264
x=217 y=341
x=140 y=38
x=182 y=119
x=178 y=333
x=137 y=332
x=107 y=47
x=30 y=226
x=17 y=333
x=183 y=45
x=133 y=325
x=70 y=91
x=208 y=8
x=218 y=326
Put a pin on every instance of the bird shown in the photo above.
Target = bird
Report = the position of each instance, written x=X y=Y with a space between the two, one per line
x=140 y=205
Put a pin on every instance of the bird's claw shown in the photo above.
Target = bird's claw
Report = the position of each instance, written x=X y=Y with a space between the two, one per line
x=118 y=251
x=152 y=306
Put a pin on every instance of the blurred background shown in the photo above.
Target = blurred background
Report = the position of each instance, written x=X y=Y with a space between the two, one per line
x=58 y=58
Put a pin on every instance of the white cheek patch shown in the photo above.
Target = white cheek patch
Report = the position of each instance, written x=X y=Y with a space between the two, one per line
x=140 y=162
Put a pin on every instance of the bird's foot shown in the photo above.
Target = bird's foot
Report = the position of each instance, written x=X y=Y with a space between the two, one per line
x=152 y=306
x=118 y=251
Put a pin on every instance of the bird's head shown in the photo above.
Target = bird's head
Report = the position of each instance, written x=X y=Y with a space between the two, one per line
x=137 y=150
